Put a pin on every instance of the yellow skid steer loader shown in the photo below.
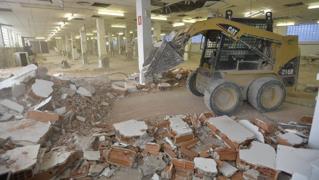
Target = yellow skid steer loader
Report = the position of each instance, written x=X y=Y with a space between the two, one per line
x=242 y=59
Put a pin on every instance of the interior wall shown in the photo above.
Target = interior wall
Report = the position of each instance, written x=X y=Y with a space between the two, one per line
x=7 y=58
x=306 y=49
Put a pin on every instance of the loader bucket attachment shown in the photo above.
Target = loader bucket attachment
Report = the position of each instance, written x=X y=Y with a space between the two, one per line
x=162 y=59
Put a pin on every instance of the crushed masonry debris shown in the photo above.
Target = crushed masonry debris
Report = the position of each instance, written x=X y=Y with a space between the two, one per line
x=69 y=120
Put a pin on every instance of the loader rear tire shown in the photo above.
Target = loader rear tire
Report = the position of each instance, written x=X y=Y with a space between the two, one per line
x=266 y=94
x=191 y=84
x=223 y=97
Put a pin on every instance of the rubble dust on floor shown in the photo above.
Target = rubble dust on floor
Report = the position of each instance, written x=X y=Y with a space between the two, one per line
x=56 y=128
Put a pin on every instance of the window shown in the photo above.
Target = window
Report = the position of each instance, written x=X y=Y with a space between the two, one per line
x=11 y=38
x=197 y=39
x=305 y=32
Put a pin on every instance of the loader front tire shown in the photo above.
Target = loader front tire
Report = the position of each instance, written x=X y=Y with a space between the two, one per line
x=223 y=97
x=191 y=84
x=266 y=94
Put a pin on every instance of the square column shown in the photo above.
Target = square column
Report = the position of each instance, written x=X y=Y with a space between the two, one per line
x=144 y=33
x=83 y=45
x=73 y=50
x=67 y=45
x=101 y=46
x=314 y=132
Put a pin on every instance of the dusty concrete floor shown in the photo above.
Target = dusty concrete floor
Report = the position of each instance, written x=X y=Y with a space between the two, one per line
x=178 y=101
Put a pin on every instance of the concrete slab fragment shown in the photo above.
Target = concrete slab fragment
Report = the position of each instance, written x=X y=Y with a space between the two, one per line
x=19 y=76
x=259 y=136
x=84 y=92
x=206 y=165
x=12 y=105
x=291 y=138
x=54 y=158
x=42 y=88
x=26 y=130
x=131 y=128
x=179 y=127
x=259 y=154
x=227 y=169
x=232 y=129
x=297 y=176
x=18 y=90
x=91 y=155
x=295 y=160
x=21 y=158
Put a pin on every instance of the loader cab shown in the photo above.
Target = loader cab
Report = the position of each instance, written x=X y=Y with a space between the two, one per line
x=220 y=52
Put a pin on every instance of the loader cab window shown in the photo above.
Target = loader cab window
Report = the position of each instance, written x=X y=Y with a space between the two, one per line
x=209 y=46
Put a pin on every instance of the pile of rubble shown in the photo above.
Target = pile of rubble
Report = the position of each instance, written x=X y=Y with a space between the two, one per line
x=57 y=129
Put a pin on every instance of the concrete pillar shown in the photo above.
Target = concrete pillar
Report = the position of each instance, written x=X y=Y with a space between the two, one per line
x=101 y=46
x=144 y=34
x=127 y=40
x=314 y=132
x=67 y=45
x=110 y=39
x=84 y=57
x=1 y=38
x=119 y=44
x=73 y=49
x=157 y=31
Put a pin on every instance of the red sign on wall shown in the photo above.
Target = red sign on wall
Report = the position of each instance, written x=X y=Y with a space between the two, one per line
x=139 y=20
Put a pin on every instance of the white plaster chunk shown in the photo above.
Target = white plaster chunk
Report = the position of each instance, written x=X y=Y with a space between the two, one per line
x=26 y=130
x=179 y=126
x=251 y=174
x=73 y=87
x=42 y=88
x=61 y=110
x=42 y=103
x=254 y=129
x=206 y=164
x=259 y=154
x=292 y=138
x=54 y=158
x=19 y=76
x=227 y=169
x=12 y=105
x=232 y=129
x=21 y=158
x=84 y=92
x=295 y=160
x=91 y=155
x=156 y=177
x=131 y=128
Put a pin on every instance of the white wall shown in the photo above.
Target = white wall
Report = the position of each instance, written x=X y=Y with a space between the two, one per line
x=306 y=49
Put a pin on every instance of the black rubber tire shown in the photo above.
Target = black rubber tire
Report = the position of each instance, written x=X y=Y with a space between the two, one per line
x=191 y=84
x=214 y=104
x=257 y=89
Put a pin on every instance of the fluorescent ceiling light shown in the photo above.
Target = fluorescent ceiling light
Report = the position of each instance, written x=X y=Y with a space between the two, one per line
x=118 y=26
x=189 y=20
x=120 y=33
x=131 y=32
x=58 y=38
x=39 y=38
x=162 y=34
x=256 y=13
x=158 y=17
x=178 y=24
x=89 y=34
x=124 y=38
x=70 y=16
x=110 y=12
x=285 y=24
x=313 y=5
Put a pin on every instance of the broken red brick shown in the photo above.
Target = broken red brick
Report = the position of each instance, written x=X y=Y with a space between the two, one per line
x=227 y=154
x=169 y=151
x=268 y=172
x=204 y=154
x=163 y=124
x=121 y=156
x=182 y=139
x=43 y=116
x=203 y=117
x=168 y=171
x=189 y=144
x=237 y=176
x=267 y=127
x=306 y=119
x=189 y=154
x=152 y=148
x=215 y=131
x=221 y=177
x=183 y=165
